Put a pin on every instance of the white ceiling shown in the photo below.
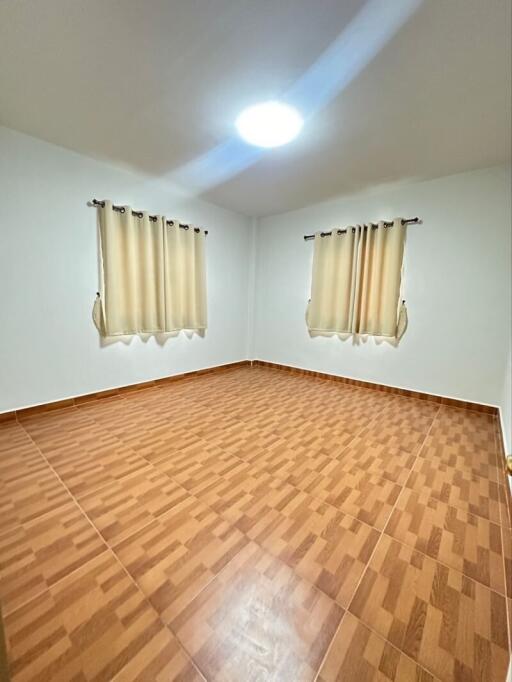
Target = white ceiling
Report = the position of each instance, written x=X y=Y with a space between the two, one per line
x=157 y=85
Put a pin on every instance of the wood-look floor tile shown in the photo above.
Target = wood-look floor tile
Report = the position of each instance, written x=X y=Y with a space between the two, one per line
x=320 y=543
x=413 y=409
x=457 y=487
x=84 y=454
x=311 y=439
x=464 y=427
x=174 y=558
x=381 y=460
x=28 y=497
x=458 y=456
x=19 y=456
x=213 y=423
x=245 y=442
x=85 y=474
x=37 y=554
x=257 y=620
x=137 y=424
x=197 y=476
x=401 y=426
x=68 y=429
x=397 y=436
x=90 y=626
x=356 y=492
x=225 y=494
x=286 y=464
x=468 y=543
x=453 y=626
x=359 y=655
x=161 y=660
x=245 y=498
x=271 y=456
x=28 y=487
x=119 y=509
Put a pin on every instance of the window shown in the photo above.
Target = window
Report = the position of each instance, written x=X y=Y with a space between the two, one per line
x=356 y=281
x=153 y=274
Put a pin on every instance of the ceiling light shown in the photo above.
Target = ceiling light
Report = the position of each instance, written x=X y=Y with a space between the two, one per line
x=269 y=124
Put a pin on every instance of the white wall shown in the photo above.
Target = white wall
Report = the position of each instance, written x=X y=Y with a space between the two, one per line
x=457 y=288
x=49 y=347
x=458 y=283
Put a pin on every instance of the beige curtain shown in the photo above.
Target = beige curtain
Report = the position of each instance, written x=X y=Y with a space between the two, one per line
x=152 y=275
x=185 y=278
x=356 y=282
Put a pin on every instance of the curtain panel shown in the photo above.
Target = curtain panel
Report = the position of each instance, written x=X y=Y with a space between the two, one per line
x=356 y=282
x=153 y=277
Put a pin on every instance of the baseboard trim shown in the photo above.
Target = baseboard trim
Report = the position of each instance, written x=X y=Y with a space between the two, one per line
x=452 y=402
x=115 y=392
x=505 y=478
x=121 y=390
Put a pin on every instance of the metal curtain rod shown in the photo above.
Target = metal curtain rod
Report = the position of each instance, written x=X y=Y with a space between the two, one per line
x=387 y=223
x=139 y=214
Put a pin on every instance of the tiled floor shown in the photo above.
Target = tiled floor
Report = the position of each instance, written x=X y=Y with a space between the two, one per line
x=255 y=525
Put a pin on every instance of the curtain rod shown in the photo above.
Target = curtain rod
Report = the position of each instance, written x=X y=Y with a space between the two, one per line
x=387 y=223
x=139 y=214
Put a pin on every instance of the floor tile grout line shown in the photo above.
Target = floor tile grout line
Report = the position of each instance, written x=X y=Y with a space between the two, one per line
x=192 y=495
x=363 y=573
x=6 y=613
x=154 y=465
x=111 y=545
x=165 y=625
x=329 y=647
x=73 y=496
x=107 y=549
x=269 y=473
x=445 y=565
x=365 y=570
x=402 y=653
x=108 y=546
x=134 y=581
x=75 y=502
x=402 y=485
x=426 y=555
x=149 y=462
x=277 y=558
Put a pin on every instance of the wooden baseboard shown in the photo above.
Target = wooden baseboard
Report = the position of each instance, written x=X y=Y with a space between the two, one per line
x=502 y=457
x=110 y=393
x=452 y=402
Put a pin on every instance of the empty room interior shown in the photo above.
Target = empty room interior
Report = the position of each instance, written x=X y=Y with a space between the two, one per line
x=256 y=379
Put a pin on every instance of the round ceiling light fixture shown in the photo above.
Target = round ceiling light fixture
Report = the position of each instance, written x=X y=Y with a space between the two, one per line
x=269 y=124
